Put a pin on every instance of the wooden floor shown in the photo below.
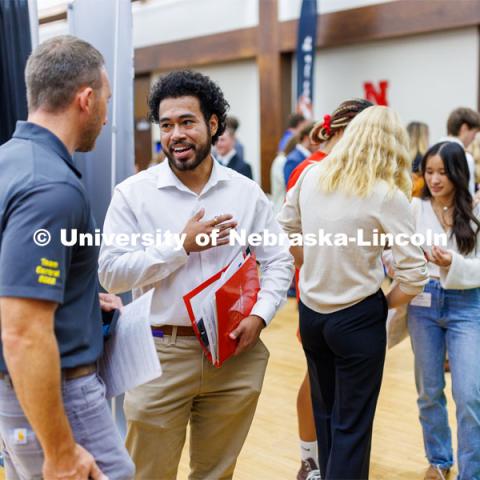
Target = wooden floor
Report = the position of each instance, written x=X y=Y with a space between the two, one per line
x=271 y=451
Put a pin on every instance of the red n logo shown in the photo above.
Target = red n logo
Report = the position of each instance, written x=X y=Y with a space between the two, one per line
x=378 y=96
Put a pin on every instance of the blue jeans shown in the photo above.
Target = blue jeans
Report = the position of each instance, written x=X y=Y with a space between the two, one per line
x=451 y=324
x=91 y=423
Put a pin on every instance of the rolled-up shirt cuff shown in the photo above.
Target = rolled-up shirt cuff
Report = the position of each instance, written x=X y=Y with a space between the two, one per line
x=411 y=289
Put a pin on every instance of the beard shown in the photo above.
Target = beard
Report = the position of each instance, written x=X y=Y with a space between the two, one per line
x=91 y=131
x=201 y=152
x=89 y=135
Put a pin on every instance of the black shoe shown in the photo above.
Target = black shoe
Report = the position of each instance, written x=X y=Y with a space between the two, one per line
x=308 y=470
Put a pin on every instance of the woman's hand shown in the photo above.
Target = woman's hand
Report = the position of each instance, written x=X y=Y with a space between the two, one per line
x=396 y=297
x=439 y=256
x=297 y=253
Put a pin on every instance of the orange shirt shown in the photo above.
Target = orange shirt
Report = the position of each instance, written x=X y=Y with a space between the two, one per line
x=417 y=183
x=313 y=158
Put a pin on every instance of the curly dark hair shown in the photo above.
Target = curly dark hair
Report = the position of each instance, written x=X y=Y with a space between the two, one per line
x=187 y=83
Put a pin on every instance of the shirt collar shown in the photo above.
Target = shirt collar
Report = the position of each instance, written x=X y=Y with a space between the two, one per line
x=38 y=134
x=167 y=178
x=225 y=160
x=452 y=139
x=302 y=149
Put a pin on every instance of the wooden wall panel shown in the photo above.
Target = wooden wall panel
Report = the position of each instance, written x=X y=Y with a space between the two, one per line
x=217 y=48
x=270 y=73
x=374 y=22
x=386 y=20
x=143 y=138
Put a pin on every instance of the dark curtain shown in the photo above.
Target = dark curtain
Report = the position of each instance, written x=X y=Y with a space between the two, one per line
x=15 y=47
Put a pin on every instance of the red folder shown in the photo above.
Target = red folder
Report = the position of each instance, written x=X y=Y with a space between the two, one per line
x=188 y=305
x=235 y=301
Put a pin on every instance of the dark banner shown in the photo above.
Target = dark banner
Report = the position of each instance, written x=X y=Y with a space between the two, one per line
x=306 y=41
x=15 y=47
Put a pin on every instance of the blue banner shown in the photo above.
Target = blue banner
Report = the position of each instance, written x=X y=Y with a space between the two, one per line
x=306 y=41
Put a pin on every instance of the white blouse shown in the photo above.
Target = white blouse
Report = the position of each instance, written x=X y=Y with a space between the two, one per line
x=333 y=276
x=464 y=271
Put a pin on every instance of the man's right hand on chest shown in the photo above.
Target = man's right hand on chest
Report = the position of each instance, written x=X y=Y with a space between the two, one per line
x=218 y=229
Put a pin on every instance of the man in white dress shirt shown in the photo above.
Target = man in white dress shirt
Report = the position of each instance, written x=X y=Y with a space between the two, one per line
x=190 y=194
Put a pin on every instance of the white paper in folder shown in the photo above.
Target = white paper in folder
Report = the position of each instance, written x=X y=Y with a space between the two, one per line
x=130 y=358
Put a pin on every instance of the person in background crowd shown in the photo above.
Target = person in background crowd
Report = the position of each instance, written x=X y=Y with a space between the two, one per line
x=296 y=122
x=233 y=124
x=189 y=193
x=446 y=316
x=158 y=158
x=277 y=180
x=326 y=134
x=462 y=126
x=227 y=155
x=55 y=422
x=419 y=142
x=303 y=149
x=363 y=184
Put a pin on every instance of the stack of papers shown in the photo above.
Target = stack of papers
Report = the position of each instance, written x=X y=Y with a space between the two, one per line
x=130 y=358
x=219 y=304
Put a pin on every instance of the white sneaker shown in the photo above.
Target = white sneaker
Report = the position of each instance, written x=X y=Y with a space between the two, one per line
x=314 y=475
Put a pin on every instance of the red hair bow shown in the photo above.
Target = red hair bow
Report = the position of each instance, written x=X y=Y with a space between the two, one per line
x=327 y=119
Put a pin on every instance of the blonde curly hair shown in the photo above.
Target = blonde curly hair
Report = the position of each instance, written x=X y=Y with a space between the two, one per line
x=374 y=147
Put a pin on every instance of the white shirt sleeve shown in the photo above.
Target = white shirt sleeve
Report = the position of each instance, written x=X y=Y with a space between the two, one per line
x=123 y=268
x=464 y=272
x=276 y=263
x=409 y=261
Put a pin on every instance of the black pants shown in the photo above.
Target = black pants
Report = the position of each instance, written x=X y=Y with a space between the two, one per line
x=345 y=354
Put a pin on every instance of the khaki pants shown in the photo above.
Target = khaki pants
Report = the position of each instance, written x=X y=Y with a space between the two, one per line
x=219 y=403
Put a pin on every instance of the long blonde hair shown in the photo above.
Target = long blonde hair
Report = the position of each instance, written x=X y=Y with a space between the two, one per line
x=419 y=141
x=374 y=147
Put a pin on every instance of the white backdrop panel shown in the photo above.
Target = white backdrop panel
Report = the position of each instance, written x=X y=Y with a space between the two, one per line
x=428 y=75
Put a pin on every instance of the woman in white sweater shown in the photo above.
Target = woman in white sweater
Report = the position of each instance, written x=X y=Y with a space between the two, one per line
x=446 y=317
x=359 y=191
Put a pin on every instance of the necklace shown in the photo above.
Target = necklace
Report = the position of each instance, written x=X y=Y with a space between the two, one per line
x=443 y=207
x=442 y=213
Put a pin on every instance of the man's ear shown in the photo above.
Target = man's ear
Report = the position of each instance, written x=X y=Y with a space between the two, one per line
x=85 y=99
x=464 y=129
x=213 y=122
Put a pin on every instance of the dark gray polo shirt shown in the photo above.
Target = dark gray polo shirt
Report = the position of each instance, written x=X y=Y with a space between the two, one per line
x=40 y=188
